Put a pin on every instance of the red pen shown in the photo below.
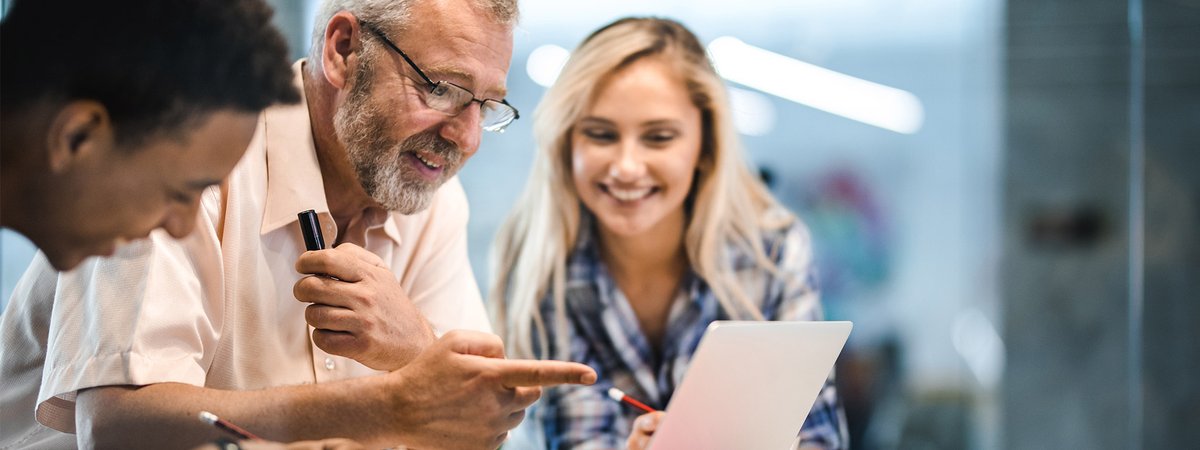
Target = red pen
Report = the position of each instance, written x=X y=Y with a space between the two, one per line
x=227 y=426
x=620 y=396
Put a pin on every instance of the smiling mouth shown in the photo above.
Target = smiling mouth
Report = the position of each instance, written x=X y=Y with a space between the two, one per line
x=428 y=170
x=427 y=162
x=628 y=195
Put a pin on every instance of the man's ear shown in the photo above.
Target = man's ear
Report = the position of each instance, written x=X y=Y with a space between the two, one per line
x=79 y=129
x=343 y=40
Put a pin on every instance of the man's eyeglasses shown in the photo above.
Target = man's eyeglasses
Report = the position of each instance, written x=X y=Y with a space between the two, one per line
x=452 y=99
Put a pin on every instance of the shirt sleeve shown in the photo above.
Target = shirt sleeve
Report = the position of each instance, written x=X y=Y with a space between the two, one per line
x=138 y=317
x=23 y=332
x=439 y=278
x=825 y=426
x=799 y=297
x=571 y=417
x=582 y=417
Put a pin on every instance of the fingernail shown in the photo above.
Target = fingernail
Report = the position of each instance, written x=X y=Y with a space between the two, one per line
x=588 y=378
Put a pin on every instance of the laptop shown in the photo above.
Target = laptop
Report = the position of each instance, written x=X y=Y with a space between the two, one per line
x=750 y=385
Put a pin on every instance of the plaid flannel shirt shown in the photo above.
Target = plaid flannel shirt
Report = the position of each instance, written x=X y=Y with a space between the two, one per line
x=604 y=334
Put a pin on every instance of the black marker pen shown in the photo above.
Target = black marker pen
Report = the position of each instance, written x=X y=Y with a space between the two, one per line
x=310 y=227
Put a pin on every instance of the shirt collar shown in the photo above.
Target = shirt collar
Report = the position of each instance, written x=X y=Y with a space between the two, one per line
x=294 y=181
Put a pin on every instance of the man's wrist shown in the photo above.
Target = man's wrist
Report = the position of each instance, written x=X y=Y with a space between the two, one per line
x=400 y=405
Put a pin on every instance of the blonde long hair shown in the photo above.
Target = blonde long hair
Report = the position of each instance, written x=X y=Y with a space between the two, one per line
x=730 y=205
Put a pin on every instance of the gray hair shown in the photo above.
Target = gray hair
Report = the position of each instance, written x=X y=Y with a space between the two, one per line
x=395 y=15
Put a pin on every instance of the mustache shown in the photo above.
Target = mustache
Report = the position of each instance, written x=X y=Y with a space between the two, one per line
x=430 y=142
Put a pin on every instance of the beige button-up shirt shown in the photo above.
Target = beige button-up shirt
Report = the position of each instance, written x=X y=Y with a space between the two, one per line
x=216 y=309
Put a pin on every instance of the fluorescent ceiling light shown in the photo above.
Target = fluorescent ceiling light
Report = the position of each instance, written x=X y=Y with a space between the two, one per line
x=545 y=63
x=753 y=113
x=833 y=92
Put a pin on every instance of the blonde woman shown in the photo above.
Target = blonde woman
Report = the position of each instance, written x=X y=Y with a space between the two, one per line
x=641 y=224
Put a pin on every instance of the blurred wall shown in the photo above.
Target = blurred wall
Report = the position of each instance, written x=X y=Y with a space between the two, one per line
x=294 y=19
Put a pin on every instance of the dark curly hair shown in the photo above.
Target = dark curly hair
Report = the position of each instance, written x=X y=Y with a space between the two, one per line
x=154 y=64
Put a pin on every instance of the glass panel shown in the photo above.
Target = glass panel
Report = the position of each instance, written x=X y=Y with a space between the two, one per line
x=1169 y=355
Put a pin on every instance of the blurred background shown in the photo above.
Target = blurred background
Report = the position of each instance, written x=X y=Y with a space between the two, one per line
x=1005 y=199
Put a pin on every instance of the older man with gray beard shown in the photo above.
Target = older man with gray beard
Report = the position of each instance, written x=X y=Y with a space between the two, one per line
x=382 y=338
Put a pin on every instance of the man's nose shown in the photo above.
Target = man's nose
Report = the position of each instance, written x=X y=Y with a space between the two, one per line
x=465 y=129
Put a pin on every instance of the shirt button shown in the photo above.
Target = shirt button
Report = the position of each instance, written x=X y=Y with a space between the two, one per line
x=329 y=363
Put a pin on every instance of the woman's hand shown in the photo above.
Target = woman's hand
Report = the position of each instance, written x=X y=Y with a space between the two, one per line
x=643 y=428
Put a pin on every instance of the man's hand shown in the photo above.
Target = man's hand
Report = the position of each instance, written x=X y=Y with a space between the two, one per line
x=358 y=308
x=643 y=428
x=458 y=394
x=461 y=393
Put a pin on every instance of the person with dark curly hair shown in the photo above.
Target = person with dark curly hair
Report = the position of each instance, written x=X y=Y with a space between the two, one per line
x=381 y=338
x=116 y=115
